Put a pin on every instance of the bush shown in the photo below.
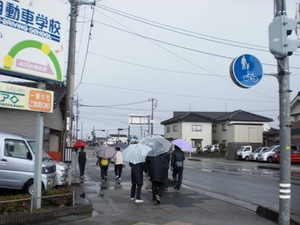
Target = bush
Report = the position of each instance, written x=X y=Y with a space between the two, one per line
x=15 y=207
x=59 y=200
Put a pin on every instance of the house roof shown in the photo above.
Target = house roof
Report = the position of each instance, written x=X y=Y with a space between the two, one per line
x=215 y=117
x=295 y=102
x=59 y=90
x=187 y=117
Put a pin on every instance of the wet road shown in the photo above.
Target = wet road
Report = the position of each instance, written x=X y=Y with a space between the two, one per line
x=241 y=180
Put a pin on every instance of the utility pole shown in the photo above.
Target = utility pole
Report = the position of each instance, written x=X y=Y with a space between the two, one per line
x=153 y=106
x=71 y=69
x=77 y=117
x=281 y=46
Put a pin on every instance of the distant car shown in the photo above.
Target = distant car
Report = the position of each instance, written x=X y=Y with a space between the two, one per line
x=295 y=156
x=210 y=148
x=253 y=155
x=267 y=154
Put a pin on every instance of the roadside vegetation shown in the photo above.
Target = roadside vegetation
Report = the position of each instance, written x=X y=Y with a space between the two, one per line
x=21 y=203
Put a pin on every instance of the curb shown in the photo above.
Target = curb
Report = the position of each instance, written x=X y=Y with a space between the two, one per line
x=272 y=215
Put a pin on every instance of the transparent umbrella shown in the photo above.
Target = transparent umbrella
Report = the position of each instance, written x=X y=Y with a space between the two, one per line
x=136 y=153
x=105 y=152
x=159 y=144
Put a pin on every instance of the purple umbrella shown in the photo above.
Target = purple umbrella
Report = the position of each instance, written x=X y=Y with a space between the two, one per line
x=183 y=144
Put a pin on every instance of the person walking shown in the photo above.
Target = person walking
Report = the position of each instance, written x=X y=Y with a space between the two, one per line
x=81 y=161
x=104 y=164
x=157 y=167
x=137 y=171
x=177 y=159
x=118 y=163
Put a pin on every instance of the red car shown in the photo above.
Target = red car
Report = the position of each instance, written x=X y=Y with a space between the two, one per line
x=295 y=156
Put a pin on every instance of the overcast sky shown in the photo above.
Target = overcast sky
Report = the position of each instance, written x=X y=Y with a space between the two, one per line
x=177 y=52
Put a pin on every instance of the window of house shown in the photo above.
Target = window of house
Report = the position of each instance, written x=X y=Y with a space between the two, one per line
x=296 y=118
x=168 y=129
x=214 y=128
x=175 y=128
x=196 y=128
x=224 y=126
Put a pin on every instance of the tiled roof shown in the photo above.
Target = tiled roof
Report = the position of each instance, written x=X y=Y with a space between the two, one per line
x=238 y=115
x=188 y=117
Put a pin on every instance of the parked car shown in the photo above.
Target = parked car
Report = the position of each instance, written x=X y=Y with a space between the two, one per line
x=61 y=167
x=18 y=163
x=244 y=152
x=253 y=155
x=267 y=154
x=295 y=155
x=210 y=148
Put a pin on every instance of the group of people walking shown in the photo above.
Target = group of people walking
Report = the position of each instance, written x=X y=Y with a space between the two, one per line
x=156 y=167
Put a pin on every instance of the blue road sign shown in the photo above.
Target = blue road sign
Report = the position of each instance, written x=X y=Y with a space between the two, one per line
x=246 y=71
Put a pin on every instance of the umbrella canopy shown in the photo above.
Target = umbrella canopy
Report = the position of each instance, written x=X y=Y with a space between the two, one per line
x=158 y=144
x=79 y=144
x=121 y=145
x=136 y=153
x=183 y=144
x=105 y=151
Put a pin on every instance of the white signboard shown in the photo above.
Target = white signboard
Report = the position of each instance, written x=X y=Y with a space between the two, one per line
x=25 y=98
x=33 y=38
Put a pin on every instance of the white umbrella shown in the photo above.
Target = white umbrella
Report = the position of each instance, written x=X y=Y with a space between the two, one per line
x=158 y=144
x=136 y=153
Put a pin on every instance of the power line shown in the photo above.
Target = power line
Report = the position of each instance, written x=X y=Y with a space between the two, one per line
x=186 y=32
x=174 y=94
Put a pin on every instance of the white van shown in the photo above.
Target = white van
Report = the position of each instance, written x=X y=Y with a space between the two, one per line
x=17 y=165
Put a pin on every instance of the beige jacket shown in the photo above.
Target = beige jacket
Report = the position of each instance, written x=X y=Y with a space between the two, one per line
x=118 y=158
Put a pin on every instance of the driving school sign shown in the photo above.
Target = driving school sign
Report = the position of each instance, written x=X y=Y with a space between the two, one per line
x=25 y=98
x=33 y=36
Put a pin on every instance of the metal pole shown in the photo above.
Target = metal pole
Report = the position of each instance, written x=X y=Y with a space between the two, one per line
x=77 y=115
x=285 y=130
x=39 y=135
x=129 y=139
x=152 y=109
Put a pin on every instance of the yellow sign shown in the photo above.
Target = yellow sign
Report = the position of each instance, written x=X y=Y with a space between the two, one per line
x=25 y=98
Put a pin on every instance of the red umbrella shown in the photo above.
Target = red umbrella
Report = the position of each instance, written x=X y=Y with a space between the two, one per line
x=78 y=144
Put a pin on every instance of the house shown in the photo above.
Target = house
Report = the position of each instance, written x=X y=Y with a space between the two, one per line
x=23 y=122
x=205 y=128
x=272 y=136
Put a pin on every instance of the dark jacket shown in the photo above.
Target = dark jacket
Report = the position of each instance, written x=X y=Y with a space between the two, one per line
x=81 y=157
x=137 y=171
x=177 y=156
x=157 y=166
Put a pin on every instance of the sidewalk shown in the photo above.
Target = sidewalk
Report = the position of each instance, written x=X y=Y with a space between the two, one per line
x=112 y=205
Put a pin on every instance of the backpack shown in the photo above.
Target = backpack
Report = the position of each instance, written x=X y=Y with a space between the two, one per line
x=104 y=162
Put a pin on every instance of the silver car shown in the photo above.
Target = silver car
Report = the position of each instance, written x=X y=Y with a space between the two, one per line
x=253 y=155
x=18 y=163
x=61 y=167
x=267 y=155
